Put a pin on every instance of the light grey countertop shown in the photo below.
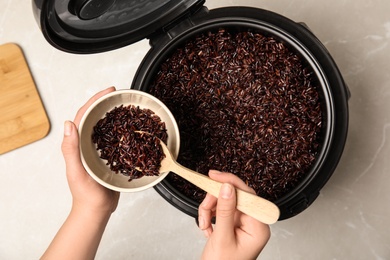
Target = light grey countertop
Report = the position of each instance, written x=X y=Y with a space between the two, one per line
x=349 y=220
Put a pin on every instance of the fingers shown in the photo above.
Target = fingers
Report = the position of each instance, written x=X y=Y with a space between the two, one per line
x=70 y=142
x=82 y=110
x=226 y=209
x=225 y=213
x=70 y=150
x=224 y=177
x=232 y=227
x=205 y=213
x=207 y=209
x=248 y=224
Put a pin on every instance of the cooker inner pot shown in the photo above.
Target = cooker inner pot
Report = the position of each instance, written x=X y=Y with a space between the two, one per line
x=192 y=195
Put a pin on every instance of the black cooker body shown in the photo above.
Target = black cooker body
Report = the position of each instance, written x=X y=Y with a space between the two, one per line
x=294 y=34
x=92 y=26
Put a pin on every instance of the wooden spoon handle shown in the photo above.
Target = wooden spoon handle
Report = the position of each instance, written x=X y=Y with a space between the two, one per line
x=248 y=203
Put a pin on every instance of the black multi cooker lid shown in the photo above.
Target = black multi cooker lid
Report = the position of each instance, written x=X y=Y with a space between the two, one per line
x=91 y=26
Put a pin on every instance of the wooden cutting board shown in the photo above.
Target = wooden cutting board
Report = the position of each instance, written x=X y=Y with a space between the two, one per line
x=23 y=119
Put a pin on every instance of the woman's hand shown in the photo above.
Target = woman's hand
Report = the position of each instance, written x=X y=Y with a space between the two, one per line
x=235 y=235
x=87 y=194
x=92 y=204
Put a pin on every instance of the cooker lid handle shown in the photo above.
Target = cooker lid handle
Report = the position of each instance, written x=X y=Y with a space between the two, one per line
x=92 y=26
x=90 y=9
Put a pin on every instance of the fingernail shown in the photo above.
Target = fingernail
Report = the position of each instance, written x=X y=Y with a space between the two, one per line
x=206 y=233
x=226 y=191
x=215 y=172
x=67 y=128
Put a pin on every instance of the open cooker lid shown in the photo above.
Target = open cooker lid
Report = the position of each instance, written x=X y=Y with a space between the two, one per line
x=91 y=26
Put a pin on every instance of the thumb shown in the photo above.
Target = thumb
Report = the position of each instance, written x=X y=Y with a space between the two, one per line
x=226 y=209
x=70 y=150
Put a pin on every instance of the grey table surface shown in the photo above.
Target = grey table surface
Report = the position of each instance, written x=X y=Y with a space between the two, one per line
x=349 y=220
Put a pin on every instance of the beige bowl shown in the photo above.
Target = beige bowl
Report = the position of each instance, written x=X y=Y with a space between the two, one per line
x=90 y=157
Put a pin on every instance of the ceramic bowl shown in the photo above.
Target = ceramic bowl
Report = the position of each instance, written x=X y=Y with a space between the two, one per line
x=90 y=156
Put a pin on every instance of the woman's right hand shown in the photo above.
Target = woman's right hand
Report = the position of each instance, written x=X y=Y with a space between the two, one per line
x=235 y=235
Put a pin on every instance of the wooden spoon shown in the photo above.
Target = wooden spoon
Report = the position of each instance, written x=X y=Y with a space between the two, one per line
x=248 y=203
